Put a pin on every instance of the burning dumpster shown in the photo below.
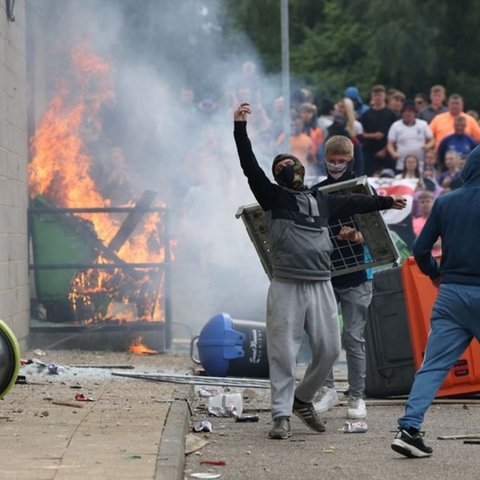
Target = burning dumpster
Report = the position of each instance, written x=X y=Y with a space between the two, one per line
x=100 y=250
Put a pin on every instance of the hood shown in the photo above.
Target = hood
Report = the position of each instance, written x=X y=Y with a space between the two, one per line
x=354 y=94
x=471 y=171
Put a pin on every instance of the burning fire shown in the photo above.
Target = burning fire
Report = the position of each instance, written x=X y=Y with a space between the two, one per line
x=61 y=170
x=139 y=348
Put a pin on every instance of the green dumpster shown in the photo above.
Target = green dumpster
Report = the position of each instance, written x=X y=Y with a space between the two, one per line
x=57 y=239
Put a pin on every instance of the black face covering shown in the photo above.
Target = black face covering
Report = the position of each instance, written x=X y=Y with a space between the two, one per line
x=290 y=176
x=286 y=175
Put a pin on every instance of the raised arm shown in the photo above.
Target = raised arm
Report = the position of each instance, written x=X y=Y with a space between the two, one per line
x=262 y=188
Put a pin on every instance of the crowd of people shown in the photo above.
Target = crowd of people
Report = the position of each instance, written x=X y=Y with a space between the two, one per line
x=391 y=137
x=427 y=138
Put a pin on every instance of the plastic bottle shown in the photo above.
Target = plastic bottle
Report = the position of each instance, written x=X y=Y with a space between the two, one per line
x=228 y=401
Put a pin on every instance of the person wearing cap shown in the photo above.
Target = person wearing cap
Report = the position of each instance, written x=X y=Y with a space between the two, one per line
x=300 y=296
x=409 y=135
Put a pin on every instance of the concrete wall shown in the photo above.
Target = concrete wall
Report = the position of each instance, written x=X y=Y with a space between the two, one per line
x=14 y=285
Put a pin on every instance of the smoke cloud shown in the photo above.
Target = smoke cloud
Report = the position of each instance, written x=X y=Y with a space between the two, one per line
x=175 y=67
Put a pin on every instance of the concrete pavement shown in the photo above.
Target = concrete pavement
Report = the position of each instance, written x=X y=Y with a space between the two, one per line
x=134 y=429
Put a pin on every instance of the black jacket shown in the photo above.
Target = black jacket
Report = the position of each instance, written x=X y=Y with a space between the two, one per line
x=297 y=220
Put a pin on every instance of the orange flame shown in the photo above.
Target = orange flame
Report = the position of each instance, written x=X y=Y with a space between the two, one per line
x=139 y=348
x=61 y=170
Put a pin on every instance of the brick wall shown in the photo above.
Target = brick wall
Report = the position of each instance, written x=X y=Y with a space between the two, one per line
x=14 y=286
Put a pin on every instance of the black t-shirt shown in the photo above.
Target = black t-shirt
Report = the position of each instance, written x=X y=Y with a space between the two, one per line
x=376 y=121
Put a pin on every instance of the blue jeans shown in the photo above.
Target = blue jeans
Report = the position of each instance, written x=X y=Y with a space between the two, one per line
x=455 y=321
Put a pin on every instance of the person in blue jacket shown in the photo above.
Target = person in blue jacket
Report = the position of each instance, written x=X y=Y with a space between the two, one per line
x=455 y=218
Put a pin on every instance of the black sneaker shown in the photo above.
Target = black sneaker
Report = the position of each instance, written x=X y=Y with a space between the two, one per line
x=411 y=444
x=307 y=414
x=281 y=428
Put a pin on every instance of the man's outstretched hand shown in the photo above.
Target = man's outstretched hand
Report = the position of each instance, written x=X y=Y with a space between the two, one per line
x=399 y=202
x=240 y=114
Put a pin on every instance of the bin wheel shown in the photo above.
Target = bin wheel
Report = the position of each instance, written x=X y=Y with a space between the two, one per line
x=9 y=359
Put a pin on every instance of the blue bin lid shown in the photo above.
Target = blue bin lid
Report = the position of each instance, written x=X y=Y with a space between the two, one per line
x=218 y=343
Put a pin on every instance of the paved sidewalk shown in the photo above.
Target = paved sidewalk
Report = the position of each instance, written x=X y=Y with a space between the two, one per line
x=45 y=434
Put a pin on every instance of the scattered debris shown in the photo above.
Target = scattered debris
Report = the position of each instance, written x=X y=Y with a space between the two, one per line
x=459 y=437
x=226 y=404
x=21 y=380
x=224 y=412
x=247 y=418
x=204 y=426
x=205 y=475
x=66 y=404
x=126 y=367
x=355 y=427
x=472 y=442
x=39 y=352
x=194 y=443
x=55 y=369
x=218 y=463
x=199 y=380
x=330 y=449
x=81 y=397
x=208 y=391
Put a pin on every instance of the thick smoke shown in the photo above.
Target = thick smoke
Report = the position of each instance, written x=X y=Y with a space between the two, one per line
x=175 y=69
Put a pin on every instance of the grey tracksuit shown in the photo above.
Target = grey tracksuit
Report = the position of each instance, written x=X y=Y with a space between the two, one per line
x=300 y=296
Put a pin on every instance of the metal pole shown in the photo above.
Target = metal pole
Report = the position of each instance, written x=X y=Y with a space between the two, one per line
x=285 y=74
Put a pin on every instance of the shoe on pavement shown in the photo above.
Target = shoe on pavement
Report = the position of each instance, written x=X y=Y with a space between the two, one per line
x=280 y=429
x=307 y=414
x=411 y=444
x=327 y=401
x=356 y=408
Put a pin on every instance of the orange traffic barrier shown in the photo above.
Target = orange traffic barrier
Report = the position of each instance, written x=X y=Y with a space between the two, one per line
x=420 y=295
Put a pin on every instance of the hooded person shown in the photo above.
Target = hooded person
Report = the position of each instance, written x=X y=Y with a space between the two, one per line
x=300 y=296
x=292 y=173
x=455 y=218
x=354 y=94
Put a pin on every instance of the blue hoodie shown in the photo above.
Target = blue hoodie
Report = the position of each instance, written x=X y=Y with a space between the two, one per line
x=455 y=217
x=354 y=94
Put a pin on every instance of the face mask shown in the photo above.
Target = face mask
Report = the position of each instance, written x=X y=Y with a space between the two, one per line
x=291 y=176
x=336 y=170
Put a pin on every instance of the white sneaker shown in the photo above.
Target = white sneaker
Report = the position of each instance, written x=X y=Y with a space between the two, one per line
x=356 y=408
x=328 y=400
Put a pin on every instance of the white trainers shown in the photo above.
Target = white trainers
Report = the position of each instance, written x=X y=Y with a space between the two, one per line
x=356 y=408
x=328 y=400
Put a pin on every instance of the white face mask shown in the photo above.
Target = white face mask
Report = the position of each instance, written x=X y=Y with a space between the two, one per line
x=336 y=170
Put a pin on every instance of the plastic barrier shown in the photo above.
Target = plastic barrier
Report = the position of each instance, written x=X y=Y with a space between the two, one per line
x=420 y=295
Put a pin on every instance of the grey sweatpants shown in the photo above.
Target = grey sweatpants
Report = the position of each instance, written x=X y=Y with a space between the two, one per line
x=292 y=307
x=354 y=302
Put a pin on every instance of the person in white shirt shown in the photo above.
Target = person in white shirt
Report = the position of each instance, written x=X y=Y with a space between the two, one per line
x=409 y=135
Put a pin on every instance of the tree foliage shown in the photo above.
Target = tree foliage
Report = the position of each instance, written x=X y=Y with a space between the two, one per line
x=404 y=44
